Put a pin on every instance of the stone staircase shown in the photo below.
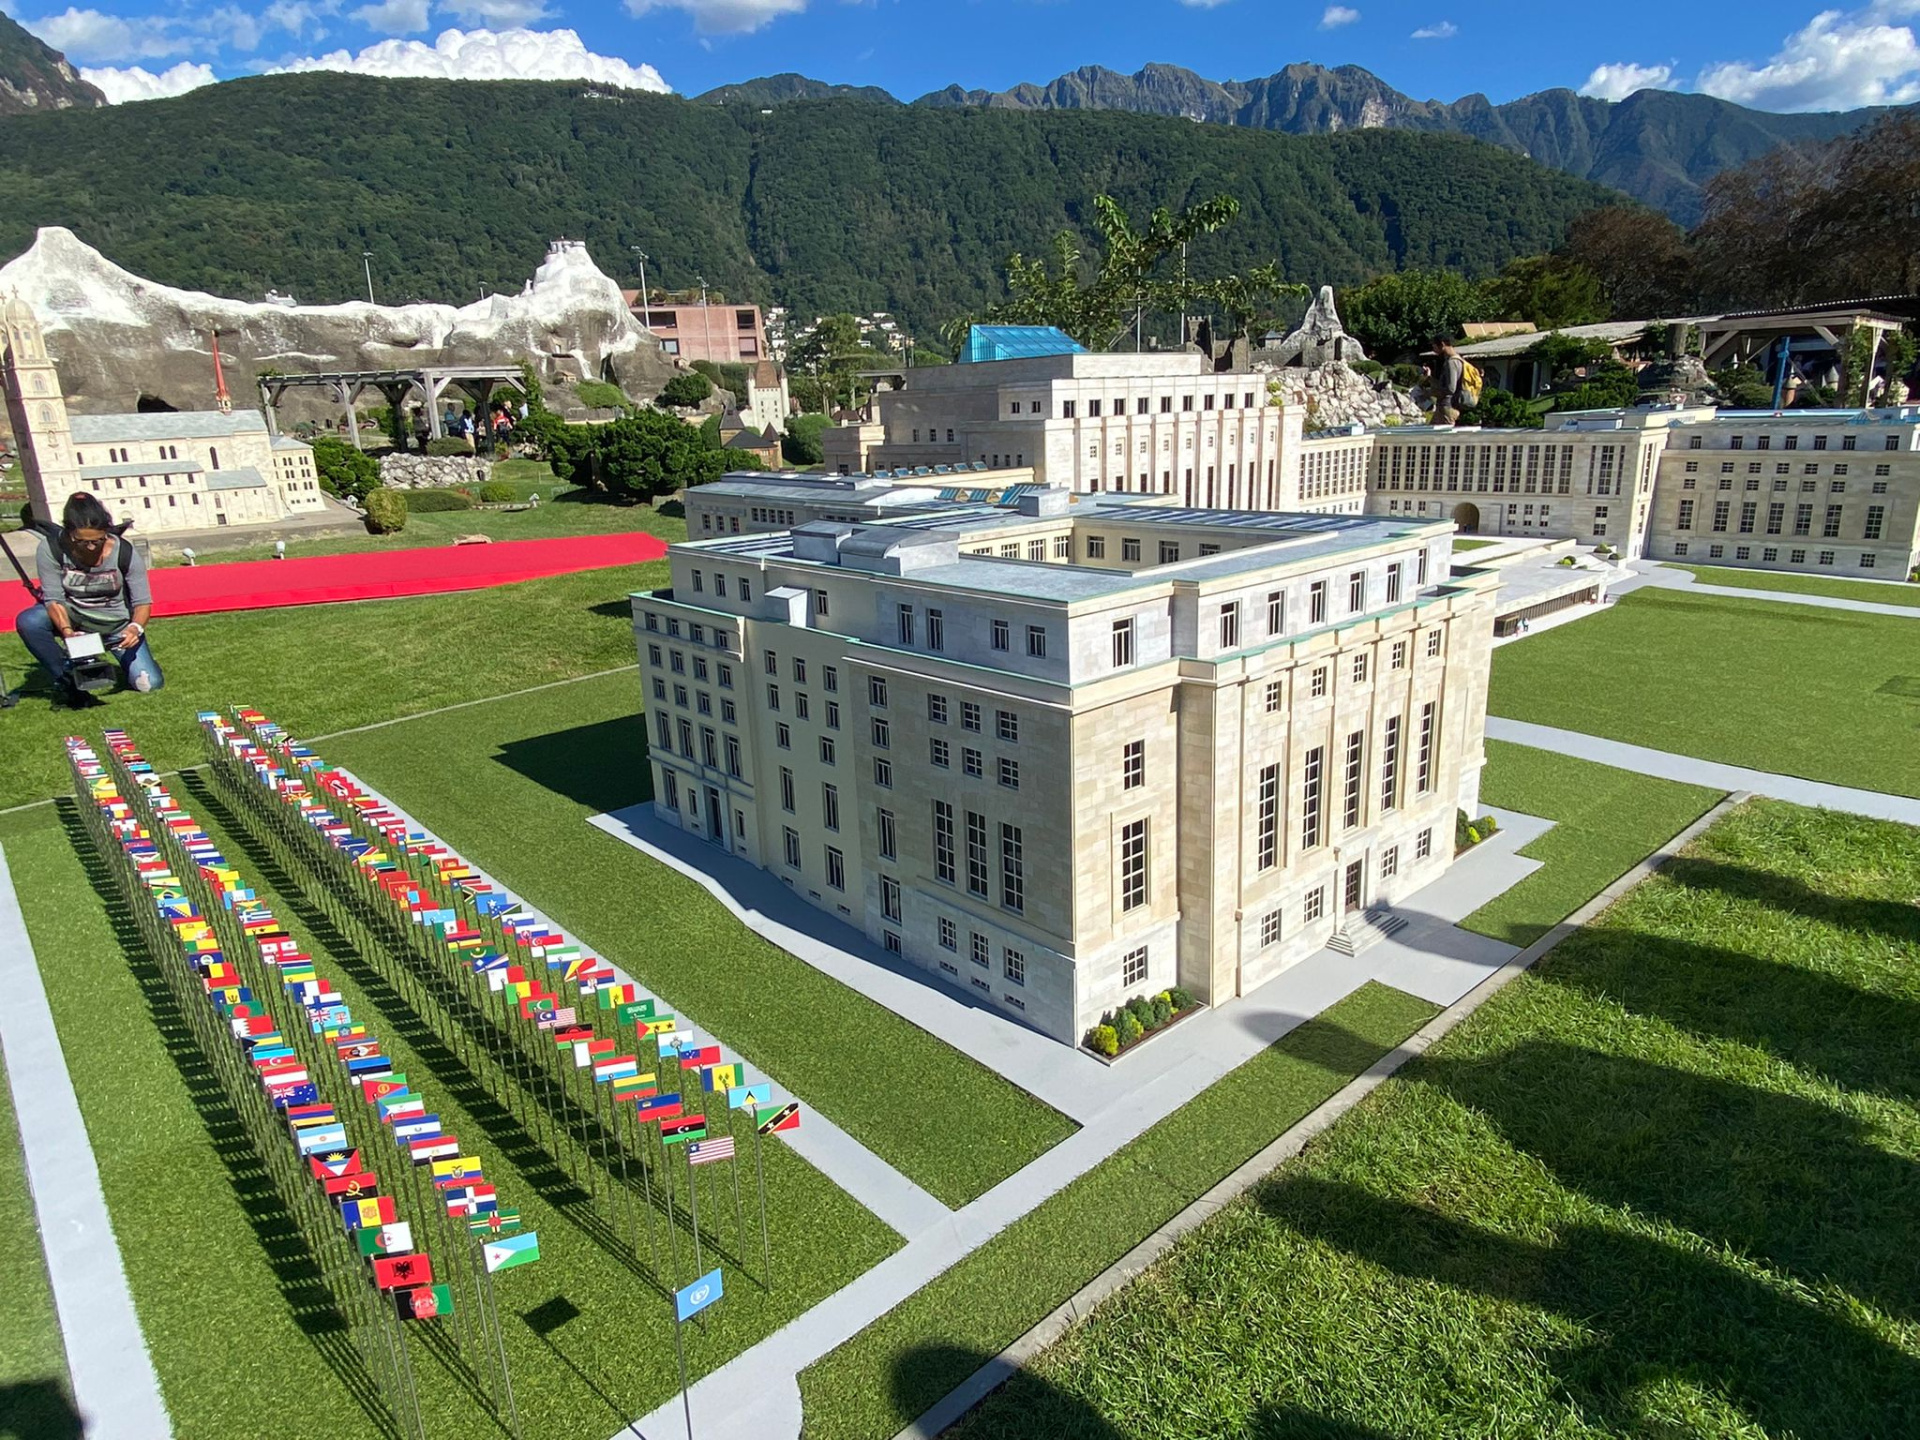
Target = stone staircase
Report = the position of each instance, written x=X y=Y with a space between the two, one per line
x=1370 y=927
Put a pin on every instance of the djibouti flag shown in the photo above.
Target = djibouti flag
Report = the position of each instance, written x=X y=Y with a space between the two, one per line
x=511 y=1250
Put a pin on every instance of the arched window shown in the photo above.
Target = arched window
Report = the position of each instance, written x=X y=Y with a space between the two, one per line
x=214 y=452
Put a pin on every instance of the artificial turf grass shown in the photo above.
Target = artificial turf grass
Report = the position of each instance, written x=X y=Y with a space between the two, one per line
x=320 y=668
x=35 y=1391
x=546 y=762
x=892 y=1371
x=1875 y=592
x=1606 y=821
x=219 y=1271
x=1663 y=1185
x=1829 y=695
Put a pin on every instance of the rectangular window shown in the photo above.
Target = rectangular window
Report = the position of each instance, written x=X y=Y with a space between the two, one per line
x=1133 y=969
x=1230 y=626
x=1397 y=656
x=1317 y=603
x=1276 y=696
x=882 y=733
x=1311 y=781
x=1270 y=929
x=1830 y=527
x=1010 y=773
x=981 y=949
x=830 y=806
x=801 y=710
x=976 y=854
x=1390 y=862
x=1002 y=635
x=1876 y=518
x=936 y=630
x=1008 y=725
x=1133 y=765
x=1130 y=549
x=733 y=756
x=782 y=736
x=1423 y=760
x=890 y=898
x=1037 y=641
x=820 y=603
x=1015 y=967
x=877 y=692
x=937 y=709
x=1317 y=682
x=969 y=716
x=799 y=671
x=1123 y=642
x=949 y=934
x=792 y=837
x=1269 y=823
x=883 y=773
x=1351 y=811
x=1096 y=547
x=833 y=714
x=1314 y=904
x=1013 y=869
x=1776 y=517
x=970 y=763
x=836 y=869
x=1393 y=584
x=1063 y=547
x=1423 y=845
x=1390 y=765
x=1276 y=611
x=1169 y=552
x=1360 y=668
x=773 y=698
x=943 y=841
x=1357 y=591
x=939 y=752
x=906 y=624
x=826 y=750
x=1133 y=865
x=772 y=663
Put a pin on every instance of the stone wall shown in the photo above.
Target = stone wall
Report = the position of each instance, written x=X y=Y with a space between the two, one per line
x=1333 y=395
x=429 y=472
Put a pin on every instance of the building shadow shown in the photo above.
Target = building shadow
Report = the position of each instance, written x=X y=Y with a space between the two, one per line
x=1025 y=1406
x=1896 y=920
x=1649 y=1310
x=38 y=1410
x=602 y=766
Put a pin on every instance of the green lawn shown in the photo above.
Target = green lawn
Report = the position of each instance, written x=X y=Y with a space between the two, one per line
x=35 y=1396
x=1876 y=592
x=239 y=1323
x=1824 y=694
x=882 y=1378
x=1460 y=544
x=511 y=785
x=320 y=668
x=1607 y=821
x=1664 y=1186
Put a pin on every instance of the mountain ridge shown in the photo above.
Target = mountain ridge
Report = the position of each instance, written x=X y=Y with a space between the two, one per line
x=34 y=77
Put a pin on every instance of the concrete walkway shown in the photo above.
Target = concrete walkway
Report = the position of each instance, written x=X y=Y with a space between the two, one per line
x=896 y=1200
x=756 y=1395
x=114 y=1384
x=1668 y=766
x=1651 y=574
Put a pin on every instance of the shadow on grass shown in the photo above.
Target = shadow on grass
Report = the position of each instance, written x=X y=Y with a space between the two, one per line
x=602 y=766
x=297 y=1270
x=1894 y=920
x=38 y=1410
x=1040 y=1407
x=1651 y=1310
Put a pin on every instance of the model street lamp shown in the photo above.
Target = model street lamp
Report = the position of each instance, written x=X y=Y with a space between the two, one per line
x=646 y=314
x=366 y=259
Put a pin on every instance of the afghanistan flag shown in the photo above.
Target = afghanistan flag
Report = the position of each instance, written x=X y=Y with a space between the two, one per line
x=424 y=1302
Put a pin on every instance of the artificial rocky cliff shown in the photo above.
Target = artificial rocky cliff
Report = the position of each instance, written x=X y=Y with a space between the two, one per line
x=123 y=343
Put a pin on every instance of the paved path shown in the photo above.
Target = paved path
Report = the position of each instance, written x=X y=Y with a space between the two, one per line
x=1649 y=574
x=756 y=1396
x=115 y=1387
x=1668 y=766
x=895 y=1199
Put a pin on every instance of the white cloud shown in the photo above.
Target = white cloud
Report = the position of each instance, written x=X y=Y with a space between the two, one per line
x=294 y=16
x=1334 y=16
x=497 y=12
x=136 y=82
x=1839 y=60
x=1616 y=82
x=725 y=17
x=1445 y=30
x=90 y=35
x=393 y=17
x=490 y=55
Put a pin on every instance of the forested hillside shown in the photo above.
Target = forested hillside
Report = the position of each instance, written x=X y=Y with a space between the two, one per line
x=821 y=205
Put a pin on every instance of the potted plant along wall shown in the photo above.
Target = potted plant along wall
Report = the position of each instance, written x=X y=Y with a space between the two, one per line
x=1120 y=1030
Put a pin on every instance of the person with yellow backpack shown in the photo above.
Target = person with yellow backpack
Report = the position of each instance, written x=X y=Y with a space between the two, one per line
x=1456 y=383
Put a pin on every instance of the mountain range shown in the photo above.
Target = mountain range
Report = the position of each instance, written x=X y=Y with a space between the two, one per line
x=1658 y=146
x=34 y=76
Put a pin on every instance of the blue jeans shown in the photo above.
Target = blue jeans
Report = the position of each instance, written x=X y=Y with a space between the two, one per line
x=137 y=665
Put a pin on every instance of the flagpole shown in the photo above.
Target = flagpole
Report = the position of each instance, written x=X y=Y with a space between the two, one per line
x=733 y=1172
x=646 y=1181
x=680 y=1352
x=673 y=1222
x=506 y=1370
x=760 y=1175
x=693 y=1190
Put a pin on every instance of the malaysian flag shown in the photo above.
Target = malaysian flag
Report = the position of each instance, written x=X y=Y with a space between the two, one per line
x=705 y=1152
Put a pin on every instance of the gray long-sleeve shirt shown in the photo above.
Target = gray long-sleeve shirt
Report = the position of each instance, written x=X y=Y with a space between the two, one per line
x=97 y=598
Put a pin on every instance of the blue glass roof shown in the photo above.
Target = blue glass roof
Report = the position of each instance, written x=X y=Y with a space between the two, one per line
x=1017 y=342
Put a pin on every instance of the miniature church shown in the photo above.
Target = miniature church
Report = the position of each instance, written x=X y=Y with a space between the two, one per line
x=165 y=471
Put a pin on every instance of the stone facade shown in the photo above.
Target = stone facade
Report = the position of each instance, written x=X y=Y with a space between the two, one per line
x=432 y=472
x=1060 y=757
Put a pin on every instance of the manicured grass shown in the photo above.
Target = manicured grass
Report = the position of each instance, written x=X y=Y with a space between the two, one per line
x=1663 y=1186
x=241 y=1327
x=1607 y=821
x=572 y=513
x=1459 y=544
x=1874 y=593
x=35 y=1394
x=511 y=784
x=320 y=668
x=1826 y=694
x=889 y=1373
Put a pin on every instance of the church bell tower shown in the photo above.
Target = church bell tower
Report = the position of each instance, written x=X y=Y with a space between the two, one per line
x=37 y=411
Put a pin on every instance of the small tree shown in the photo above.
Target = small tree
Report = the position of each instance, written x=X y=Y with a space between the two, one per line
x=1501 y=409
x=801 y=444
x=386 y=511
x=344 y=469
x=684 y=390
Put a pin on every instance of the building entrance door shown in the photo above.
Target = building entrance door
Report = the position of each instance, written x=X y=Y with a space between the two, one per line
x=1467 y=517
x=716 y=826
x=1356 y=878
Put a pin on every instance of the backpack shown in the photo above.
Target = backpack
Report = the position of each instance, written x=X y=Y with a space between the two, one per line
x=1472 y=383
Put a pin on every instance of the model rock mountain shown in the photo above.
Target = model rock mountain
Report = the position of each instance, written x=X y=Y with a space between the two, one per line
x=123 y=343
x=34 y=76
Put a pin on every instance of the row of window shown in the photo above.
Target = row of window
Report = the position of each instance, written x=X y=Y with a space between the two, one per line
x=1069 y=409
x=1519 y=469
x=1780 y=467
x=1872 y=524
x=1770 y=555
x=978 y=855
x=1313 y=903
x=1789 y=442
x=695 y=631
x=1313 y=796
x=1013 y=963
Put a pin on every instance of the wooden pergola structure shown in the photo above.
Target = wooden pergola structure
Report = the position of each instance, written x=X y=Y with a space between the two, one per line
x=426 y=385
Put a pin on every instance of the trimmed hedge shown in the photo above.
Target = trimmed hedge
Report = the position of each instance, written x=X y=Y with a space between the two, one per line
x=1136 y=1019
x=386 y=511
x=424 y=502
x=497 y=492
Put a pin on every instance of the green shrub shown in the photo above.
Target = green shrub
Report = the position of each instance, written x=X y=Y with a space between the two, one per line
x=801 y=444
x=386 y=511
x=344 y=470
x=684 y=390
x=599 y=395
x=1103 y=1040
x=1405 y=376
x=1141 y=1011
x=497 y=492
x=1473 y=835
x=731 y=377
x=423 y=502
x=448 y=445
x=1182 y=1000
x=1366 y=367
x=1162 y=1011
x=1129 y=1029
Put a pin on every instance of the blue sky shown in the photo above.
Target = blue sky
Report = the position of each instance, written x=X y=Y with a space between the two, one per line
x=1774 y=54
